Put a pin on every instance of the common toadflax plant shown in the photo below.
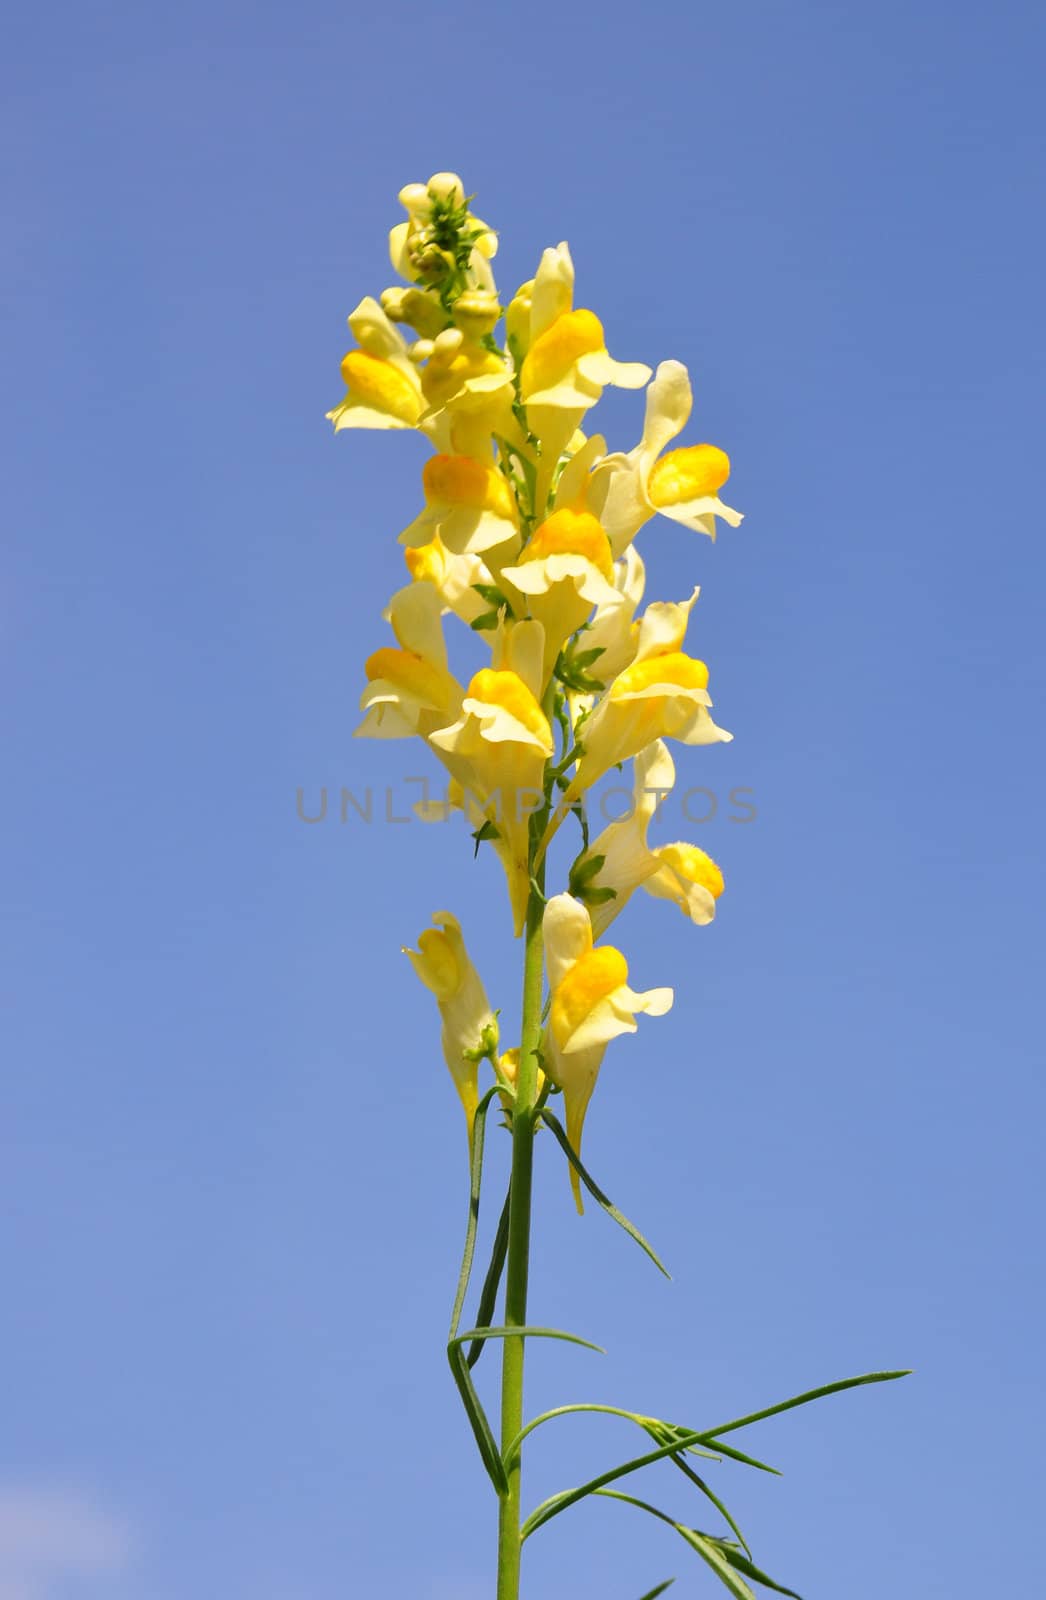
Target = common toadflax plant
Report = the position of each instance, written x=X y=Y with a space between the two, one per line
x=526 y=538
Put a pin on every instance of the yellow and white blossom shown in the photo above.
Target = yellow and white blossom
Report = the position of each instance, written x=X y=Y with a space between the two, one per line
x=498 y=747
x=469 y=1026
x=565 y=570
x=662 y=694
x=454 y=577
x=382 y=387
x=566 y=365
x=591 y=1003
x=679 y=872
x=613 y=630
x=683 y=484
x=688 y=877
x=410 y=687
x=468 y=503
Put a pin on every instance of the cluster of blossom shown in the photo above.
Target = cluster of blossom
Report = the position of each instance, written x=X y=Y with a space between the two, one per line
x=526 y=535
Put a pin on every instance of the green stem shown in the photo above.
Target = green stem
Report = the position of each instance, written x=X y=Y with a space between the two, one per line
x=523 y=1125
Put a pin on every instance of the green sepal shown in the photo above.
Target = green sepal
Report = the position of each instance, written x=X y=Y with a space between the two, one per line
x=485 y=623
x=485 y=831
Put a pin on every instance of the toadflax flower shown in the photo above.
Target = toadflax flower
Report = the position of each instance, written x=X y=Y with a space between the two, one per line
x=683 y=484
x=410 y=688
x=620 y=860
x=468 y=503
x=382 y=388
x=470 y=1028
x=565 y=570
x=591 y=1003
x=662 y=694
x=498 y=747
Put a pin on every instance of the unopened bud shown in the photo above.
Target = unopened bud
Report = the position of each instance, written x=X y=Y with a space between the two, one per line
x=414 y=197
x=517 y=317
x=446 y=186
x=447 y=344
x=476 y=312
x=421 y=350
x=419 y=310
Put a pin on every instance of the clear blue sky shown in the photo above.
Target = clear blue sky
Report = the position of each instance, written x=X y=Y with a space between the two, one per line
x=232 y=1159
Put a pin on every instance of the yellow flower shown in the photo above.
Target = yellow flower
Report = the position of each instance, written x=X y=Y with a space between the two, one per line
x=442 y=963
x=683 y=485
x=613 y=630
x=410 y=688
x=382 y=388
x=566 y=365
x=468 y=504
x=498 y=747
x=565 y=569
x=591 y=1003
x=662 y=694
x=678 y=872
x=452 y=576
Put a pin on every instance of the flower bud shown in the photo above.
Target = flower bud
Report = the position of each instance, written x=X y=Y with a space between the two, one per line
x=446 y=186
x=447 y=344
x=477 y=312
x=420 y=351
x=419 y=310
x=414 y=197
x=517 y=317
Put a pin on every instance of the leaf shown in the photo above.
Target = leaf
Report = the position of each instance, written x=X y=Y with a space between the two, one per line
x=745 y=1565
x=711 y=1495
x=485 y=623
x=567 y=1497
x=489 y=1292
x=481 y=1428
x=479 y=1127
x=526 y=1332
x=802 y=1400
x=652 y=1594
x=710 y=1552
x=597 y=1194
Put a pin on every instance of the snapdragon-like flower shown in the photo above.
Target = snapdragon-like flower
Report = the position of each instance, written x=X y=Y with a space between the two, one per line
x=620 y=860
x=498 y=747
x=683 y=484
x=469 y=1026
x=662 y=694
x=468 y=503
x=591 y=1003
x=454 y=577
x=382 y=387
x=410 y=688
x=565 y=570
x=566 y=365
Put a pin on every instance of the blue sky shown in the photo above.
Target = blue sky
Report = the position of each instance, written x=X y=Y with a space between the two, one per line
x=232 y=1159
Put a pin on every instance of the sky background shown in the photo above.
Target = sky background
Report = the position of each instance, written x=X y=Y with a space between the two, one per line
x=233 y=1164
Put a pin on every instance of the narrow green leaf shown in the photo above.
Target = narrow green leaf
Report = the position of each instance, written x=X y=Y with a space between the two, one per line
x=597 y=1194
x=481 y=1428
x=746 y=1565
x=710 y=1552
x=734 y=1454
x=475 y=1183
x=489 y=1292
x=637 y=1417
x=525 y=1333
x=711 y=1495
x=652 y=1594
x=567 y=1497
x=803 y=1399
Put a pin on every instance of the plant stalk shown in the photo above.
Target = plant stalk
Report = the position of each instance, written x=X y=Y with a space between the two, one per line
x=517 y=1268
